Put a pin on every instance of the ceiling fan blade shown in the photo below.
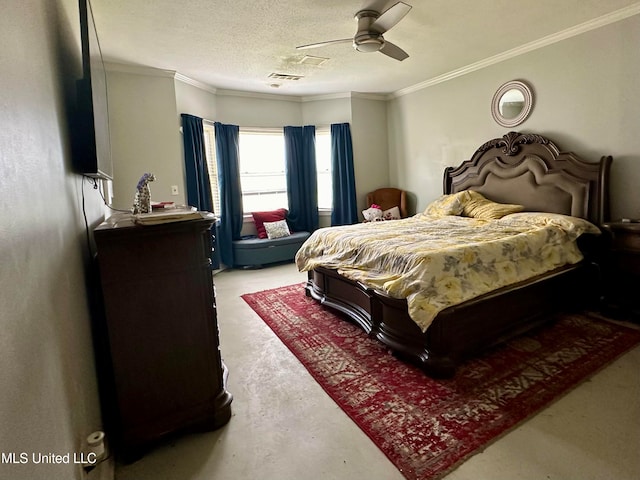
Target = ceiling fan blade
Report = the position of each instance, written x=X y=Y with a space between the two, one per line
x=393 y=51
x=390 y=17
x=324 y=44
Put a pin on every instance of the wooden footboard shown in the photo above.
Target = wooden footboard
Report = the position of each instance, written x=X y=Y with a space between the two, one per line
x=461 y=331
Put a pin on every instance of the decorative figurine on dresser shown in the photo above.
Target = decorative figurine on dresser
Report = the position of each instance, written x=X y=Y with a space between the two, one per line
x=161 y=326
x=622 y=273
x=142 y=198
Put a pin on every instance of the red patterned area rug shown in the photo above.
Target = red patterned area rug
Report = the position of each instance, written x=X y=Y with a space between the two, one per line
x=428 y=427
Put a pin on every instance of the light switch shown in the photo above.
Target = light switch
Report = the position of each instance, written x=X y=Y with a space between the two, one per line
x=174 y=190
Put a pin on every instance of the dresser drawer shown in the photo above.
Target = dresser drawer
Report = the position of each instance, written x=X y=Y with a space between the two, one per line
x=626 y=240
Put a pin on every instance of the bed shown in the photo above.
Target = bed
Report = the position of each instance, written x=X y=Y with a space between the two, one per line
x=517 y=169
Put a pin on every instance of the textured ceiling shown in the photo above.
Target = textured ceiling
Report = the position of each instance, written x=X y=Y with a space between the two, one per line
x=236 y=44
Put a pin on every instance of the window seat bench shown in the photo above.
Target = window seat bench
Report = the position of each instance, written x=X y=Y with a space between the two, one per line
x=256 y=252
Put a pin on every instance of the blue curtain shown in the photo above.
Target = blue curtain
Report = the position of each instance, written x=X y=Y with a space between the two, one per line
x=302 y=177
x=197 y=173
x=195 y=162
x=345 y=209
x=227 y=154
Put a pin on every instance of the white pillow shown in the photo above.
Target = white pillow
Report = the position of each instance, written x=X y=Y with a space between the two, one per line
x=277 y=229
x=391 y=214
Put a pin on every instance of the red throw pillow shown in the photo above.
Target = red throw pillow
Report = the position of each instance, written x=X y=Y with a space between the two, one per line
x=273 y=216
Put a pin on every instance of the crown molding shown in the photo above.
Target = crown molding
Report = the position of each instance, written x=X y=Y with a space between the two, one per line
x=602 y=21
x=370 y=96
x=195 y=83
x=334 y=96
x=156 y=72
x=327 y=96
x=303 y=98
x=263 y=96
x=138 y=70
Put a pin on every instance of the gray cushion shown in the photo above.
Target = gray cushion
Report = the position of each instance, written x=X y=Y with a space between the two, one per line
x=262 y=251
x=259 y=243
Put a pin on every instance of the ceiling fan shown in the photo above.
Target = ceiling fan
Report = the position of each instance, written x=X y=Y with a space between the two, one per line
x=371 y=25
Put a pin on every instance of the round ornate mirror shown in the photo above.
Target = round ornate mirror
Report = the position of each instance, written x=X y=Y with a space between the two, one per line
x=512 y=103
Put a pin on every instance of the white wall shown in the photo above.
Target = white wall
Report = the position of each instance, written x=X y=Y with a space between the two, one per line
x=323 y=111
x=153 y=100
x=194 y=100
x=367 y=117
x=585 y=100
x=49 y=400
x=370 y=146
x=237 y=108
x=145 y=136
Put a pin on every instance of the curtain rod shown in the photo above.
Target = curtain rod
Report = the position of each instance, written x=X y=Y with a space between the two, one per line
x=264 y=129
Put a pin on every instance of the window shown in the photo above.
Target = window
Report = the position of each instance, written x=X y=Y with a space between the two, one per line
x=212 y=165
x=323 y=166
x=262 y=168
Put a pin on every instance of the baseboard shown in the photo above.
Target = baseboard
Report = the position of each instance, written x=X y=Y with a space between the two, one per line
x=105 y=470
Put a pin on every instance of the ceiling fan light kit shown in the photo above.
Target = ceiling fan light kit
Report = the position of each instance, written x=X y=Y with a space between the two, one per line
x=371 y=25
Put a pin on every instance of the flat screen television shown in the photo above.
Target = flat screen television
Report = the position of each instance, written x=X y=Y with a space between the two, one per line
x=92 y=139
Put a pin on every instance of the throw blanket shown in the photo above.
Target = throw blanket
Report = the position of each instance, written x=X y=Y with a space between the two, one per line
x=437 y=262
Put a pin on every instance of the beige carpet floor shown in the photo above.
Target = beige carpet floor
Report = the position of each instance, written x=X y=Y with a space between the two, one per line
x=284 y=426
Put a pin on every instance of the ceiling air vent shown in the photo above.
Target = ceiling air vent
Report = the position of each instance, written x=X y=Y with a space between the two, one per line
x=313 y=60
x=285 y=76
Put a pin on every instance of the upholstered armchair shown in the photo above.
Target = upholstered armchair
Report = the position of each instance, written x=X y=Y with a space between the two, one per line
x=389 y=198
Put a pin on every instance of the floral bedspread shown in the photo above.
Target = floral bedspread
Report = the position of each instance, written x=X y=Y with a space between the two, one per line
x=437 y=262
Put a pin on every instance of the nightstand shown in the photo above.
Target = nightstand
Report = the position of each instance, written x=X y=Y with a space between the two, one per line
x=622 y=268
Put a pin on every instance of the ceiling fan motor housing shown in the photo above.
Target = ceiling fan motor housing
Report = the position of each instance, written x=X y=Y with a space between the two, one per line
x=366 y=40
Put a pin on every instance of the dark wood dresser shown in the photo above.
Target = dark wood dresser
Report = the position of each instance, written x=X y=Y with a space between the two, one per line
x=162 y=331
x=622 y=272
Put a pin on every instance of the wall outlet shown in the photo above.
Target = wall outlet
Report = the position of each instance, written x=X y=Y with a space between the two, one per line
x=174 y=190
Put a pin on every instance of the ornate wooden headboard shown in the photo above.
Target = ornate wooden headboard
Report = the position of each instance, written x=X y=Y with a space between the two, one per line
x=530 y=170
